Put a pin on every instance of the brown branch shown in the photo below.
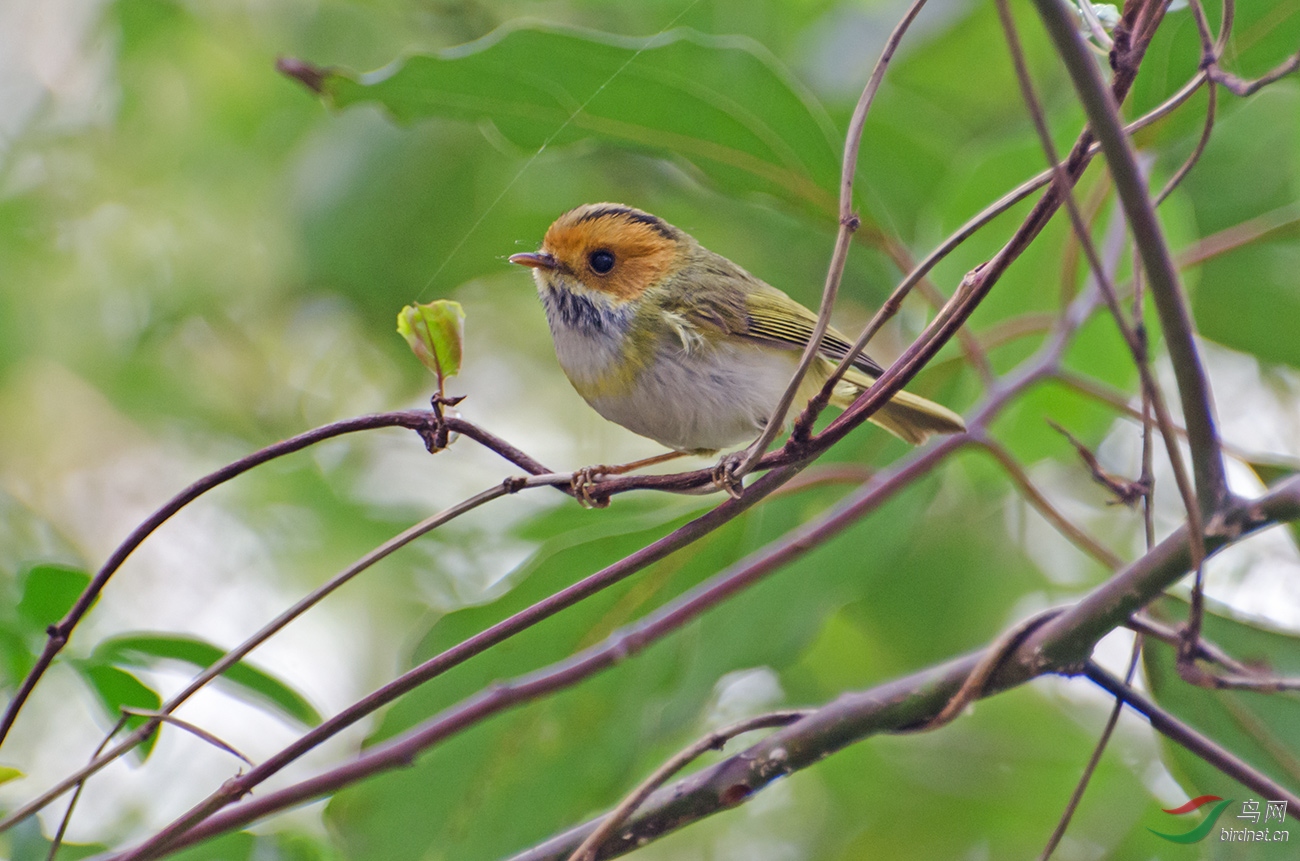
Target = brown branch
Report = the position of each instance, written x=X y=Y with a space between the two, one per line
x=1207 y=749
x=1076 y=535
x=190 y=826
x=1241 y=87
x=971 y=227
x=911 y=701
x=991 y=659
x=1210 y=54
x=193 y=729
x=1136 y=345
x=421 y=421
x=849 y=223
x=713 y=741
x=202 y=821
x=1240 y=235
x=966 y=340
x=1126 y=492
x=1175 y=319
x=1067 y=815
x=76 y=795
x=236 y=654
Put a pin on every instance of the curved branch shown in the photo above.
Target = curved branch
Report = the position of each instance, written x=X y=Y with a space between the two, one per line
x=422 y=421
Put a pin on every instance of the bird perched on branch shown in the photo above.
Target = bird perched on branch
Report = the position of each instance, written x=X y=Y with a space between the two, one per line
x=679 y=344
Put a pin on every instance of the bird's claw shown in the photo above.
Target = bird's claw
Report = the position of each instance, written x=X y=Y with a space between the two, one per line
x=582 y=484
x=724 y=474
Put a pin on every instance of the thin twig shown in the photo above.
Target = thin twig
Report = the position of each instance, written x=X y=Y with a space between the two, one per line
x=1207 y=456
x=977 y=283
x=849 y=223
x=966 y=340
x=204 y=819
x=1207 y=749
x=1125 y=492
x=76 y=795
x=418 y=420
x=190 y=728
x=1195 y=511
x=1239 y=676
x=713 y=741
x=969 y=229
x=236 y=654
x=1239 y=235
x=1209 y=57
x=990 y=661
x=1175 y=319
x=1144 y=624
x=1075 y=534
x=1241 y=87
x=1084 y=779
x=1119 y=400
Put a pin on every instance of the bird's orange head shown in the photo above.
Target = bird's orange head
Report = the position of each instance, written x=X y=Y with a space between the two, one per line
x=608 y=248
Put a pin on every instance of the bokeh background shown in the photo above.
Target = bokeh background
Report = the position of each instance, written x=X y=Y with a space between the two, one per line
x=198 y=258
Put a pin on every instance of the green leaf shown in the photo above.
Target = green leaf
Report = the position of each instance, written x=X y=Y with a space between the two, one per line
x=140 y=650
x=435 y=332
x=49 y=591
x=8 y=773
x=1272 y=470
x=16 y=659
x=236 y=846
x=116 y=688
x=26 y=841
x=724 y=104
x=1261 y=728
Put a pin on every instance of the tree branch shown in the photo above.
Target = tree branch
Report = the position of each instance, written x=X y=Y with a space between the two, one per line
x=913 y=700
x=1175 y=319
x=1174 y=729
x=849 y=223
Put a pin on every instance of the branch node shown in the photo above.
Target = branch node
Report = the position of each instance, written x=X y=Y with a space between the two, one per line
x=234 y=788
x=851 y=221
x=735 y=794
x=435 y=432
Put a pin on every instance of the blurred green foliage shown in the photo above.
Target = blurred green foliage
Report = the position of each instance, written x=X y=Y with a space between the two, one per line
x=199 y=259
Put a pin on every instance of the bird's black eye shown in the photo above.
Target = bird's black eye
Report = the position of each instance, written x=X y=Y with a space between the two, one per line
x=601 y=261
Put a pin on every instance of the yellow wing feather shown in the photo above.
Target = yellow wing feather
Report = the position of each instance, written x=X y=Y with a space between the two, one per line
x=760 y=312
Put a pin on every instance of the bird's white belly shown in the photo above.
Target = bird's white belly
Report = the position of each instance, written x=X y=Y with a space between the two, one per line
x=712 y=397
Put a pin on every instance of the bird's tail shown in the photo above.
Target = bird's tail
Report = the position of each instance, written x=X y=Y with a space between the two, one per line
x=910 y=418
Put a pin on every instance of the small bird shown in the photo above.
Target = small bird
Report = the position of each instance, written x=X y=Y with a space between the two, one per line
x=679 y=344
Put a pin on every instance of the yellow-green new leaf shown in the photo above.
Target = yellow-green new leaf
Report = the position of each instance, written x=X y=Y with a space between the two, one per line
x=435 y=331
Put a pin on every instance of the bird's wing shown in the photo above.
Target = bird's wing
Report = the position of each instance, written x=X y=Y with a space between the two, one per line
x=776 y=318
x=740 y=305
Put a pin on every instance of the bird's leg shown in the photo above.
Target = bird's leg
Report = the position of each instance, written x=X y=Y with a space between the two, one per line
x=624 y=468
x=587 y=477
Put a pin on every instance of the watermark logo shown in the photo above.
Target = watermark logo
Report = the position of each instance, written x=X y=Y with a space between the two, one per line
x=1250 y=810
x=1200 y=832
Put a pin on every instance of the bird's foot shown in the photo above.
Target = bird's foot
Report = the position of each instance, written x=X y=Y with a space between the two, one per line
x=724 y=474
x=584 y=481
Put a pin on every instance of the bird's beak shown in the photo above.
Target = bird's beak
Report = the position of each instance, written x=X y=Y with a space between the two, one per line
x=535 y=260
